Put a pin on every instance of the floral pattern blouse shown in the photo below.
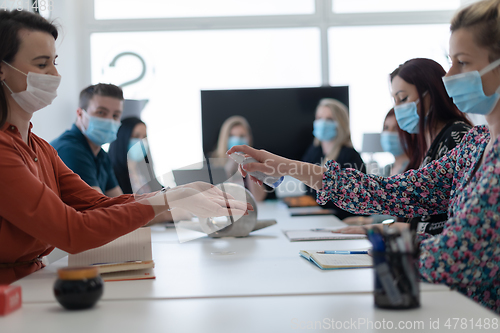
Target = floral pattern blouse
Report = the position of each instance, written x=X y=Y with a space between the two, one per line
x=466 y=254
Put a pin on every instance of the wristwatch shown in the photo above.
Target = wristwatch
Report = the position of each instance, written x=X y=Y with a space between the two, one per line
x=387 y=223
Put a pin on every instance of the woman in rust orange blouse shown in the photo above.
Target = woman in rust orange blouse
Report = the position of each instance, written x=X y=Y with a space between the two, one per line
x=43 y=204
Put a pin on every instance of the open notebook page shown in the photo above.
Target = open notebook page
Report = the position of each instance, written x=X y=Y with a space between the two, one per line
x=133 y=246
x=343 y=260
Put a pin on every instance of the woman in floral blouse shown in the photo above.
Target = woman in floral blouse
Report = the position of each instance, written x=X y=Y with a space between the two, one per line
x=465 y=183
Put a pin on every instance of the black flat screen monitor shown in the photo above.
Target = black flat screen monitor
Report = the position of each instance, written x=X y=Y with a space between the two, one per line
x=281 y=119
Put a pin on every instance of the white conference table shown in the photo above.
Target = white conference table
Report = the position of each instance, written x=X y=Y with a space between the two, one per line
x=264 y=264
x=198 y=287
x=270 y=314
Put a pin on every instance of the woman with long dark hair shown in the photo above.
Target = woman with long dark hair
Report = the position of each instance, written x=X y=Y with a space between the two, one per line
x=431 y=135
x=430 y=124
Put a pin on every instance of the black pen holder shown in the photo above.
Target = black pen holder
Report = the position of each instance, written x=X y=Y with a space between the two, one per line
x=396 y=279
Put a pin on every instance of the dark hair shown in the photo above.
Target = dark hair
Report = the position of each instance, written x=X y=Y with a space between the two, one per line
x=390 y=114
x=100 y=89
x=118 y=155
x=426 y=75
x=11 y=22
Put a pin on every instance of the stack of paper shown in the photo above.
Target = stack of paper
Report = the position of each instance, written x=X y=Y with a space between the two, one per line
x=314 y=235
x=126 y=258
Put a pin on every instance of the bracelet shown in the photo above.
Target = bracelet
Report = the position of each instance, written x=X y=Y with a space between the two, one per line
x=164 y=191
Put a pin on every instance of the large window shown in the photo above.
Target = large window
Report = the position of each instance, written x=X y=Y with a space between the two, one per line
x=370 y=6
x=133 y=9
x=170 y=68
x=167 y=51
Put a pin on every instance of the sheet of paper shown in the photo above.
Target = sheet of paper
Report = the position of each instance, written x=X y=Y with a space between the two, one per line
x=307 y=234
x=133 y=246
x=305 y=211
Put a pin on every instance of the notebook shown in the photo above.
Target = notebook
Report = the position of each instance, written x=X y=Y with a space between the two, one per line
x=310 y=211
x=337 y=261
x=140 y=274
x=129 y=257
x=310 y=235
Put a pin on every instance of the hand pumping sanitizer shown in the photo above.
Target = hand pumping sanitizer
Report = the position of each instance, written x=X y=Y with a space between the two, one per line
x=266 y=179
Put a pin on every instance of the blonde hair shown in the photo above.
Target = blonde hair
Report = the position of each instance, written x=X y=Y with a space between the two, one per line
x=225 y=132
x=341 y=115
x=483 y=20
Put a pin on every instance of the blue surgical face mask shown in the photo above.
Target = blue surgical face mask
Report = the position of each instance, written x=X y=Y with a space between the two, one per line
x=100 y=130
x=467 y=92
x=324 y=130
x=236 y=141
x=390 y=143
x=137 y=149
x=407 y=116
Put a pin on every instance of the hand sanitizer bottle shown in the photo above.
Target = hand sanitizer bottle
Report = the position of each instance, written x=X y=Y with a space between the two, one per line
x=266 y=179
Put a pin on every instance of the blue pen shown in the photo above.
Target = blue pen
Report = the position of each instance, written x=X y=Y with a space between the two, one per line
x=324 y=230
x=343 y=252
x=116 y=263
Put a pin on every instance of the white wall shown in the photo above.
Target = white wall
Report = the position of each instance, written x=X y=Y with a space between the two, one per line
x=50 y=122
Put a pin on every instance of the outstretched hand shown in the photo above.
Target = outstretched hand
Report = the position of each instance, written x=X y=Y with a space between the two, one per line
x=277 y=166
x=201 y=199
x=205 y=200
x=268 y=163
x=352 y=230
x=358 y=220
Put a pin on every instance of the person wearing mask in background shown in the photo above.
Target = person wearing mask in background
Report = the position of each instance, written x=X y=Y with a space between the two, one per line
x=131 y=159
x=332 y=141
x=98 y=119
x=236 y=131
x=465 y=182
x=43 y=204
x=391 y=143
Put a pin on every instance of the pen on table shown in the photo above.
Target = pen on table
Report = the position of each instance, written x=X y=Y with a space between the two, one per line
x=117 y=263
x=343 y=252
x=324 y=230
